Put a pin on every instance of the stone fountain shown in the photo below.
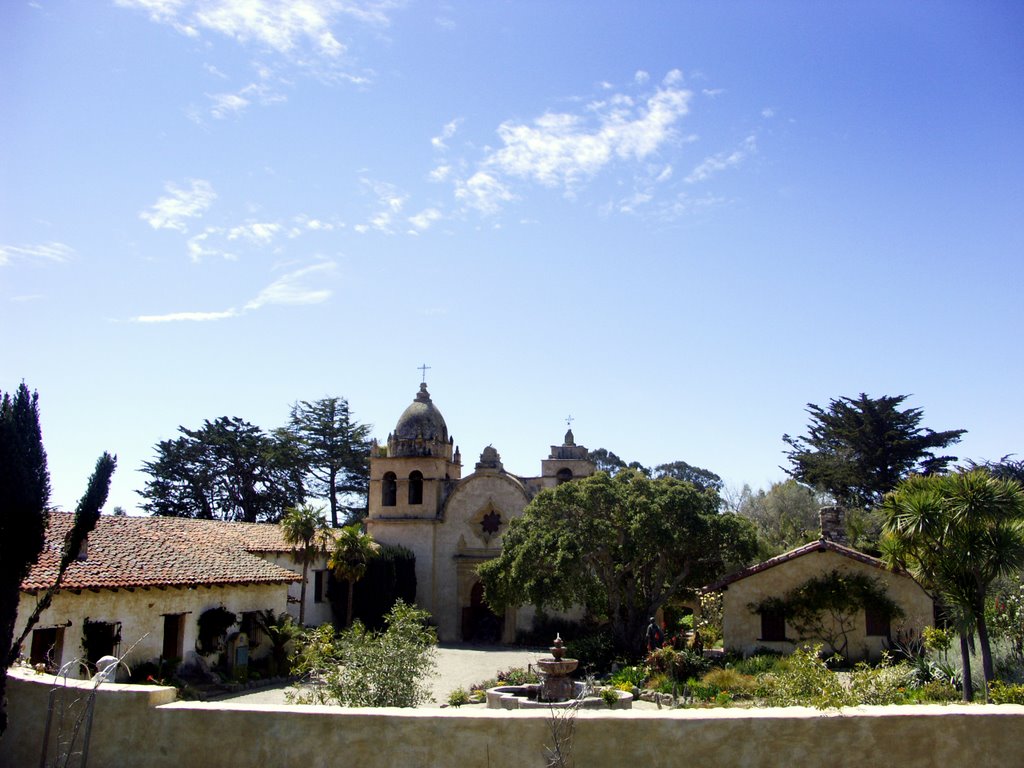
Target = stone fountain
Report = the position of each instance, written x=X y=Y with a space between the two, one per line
x=556 y=688
x=554 y=670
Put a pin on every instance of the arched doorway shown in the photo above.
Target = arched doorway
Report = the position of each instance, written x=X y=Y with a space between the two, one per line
x=479 y=623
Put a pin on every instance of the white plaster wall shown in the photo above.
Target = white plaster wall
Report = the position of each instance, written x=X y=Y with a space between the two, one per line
x=316 y=613
x=741 y=627
x=140 y=613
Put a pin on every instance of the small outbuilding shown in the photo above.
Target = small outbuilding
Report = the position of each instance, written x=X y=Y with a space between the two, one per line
x=754 y=600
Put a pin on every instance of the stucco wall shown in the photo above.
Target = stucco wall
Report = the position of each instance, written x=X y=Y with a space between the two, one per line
x=132 y=727
x=140 y=613
x=316 y=613
x=741 y=627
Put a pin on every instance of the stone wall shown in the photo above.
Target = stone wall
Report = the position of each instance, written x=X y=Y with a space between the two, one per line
x=139 y=726
x=741 y=626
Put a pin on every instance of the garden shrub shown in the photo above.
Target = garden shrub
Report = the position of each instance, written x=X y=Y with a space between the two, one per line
x=517 y=676
x=884 y=684
x=1004 y=693
x=735 y=682
x=458 y=697
x=934 y=692
x=805 y=680
x=702 y=691
x=680 y=665
x=595 y=651
x=359 y=668
x=632 y=676
x=758 y=664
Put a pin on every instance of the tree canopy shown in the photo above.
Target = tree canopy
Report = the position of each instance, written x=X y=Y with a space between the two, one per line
x=228 y=469
x=333 y=452
x=858 y=449
x=786 y=515
x=957 y=534
x=306 y=530
x=620 y=546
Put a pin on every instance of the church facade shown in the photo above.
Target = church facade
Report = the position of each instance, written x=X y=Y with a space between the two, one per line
x=420 y=500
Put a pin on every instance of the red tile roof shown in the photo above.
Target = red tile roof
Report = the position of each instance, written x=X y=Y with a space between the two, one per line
x=162 y=551
x=821 y=545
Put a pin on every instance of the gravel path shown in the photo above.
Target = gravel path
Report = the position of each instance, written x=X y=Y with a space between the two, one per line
x=457 y=667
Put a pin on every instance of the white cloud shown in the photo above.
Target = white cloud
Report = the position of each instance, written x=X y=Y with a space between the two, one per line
x=561 y=149
x=52 y=251
x=196 y=317
x=225 y=104
x=259 y=232
x=303 y=286
x=440 y=173
x=641 y=77
x=423 y=220
x=391 y=202
x=171 y=212
x=767 y=112
x=722 y=161
x=483 y=192
x=292 y=28
x=438 y=142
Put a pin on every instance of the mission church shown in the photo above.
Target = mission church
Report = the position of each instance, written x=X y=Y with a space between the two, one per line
x=420 y=500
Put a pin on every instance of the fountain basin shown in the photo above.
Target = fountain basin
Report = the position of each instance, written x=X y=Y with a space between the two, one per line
x=525 y=697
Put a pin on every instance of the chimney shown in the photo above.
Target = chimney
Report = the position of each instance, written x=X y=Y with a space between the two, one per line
x=833 y=527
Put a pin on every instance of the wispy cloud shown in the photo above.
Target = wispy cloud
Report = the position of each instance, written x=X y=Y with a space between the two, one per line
x=439 y=142
x=259 y=232
x=302 y=31
x=722 y=161
x=423 y=220
x=299 y=287
x=564 y=150
x=303 y=286
x=389 y=202
x=173 y=210
x=52 y=251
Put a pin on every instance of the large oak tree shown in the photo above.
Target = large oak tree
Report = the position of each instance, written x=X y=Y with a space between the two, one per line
x=620 y=546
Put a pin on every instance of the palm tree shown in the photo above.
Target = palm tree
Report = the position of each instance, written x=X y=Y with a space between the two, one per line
x=353 y=551
x=958 y=533
x=306 y=530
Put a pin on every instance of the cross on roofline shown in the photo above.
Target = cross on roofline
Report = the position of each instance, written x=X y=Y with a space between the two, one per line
x=569 y=420
x=424 y=368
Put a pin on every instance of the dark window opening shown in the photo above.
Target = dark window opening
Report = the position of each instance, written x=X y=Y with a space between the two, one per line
x=252 y=628
x=47 y=645
x=99 y=639
x=416 y=487
x=389 y=490
x=174 y=636
x=876 y=623
x=564 y=475
x=318 y=586
x=773 y=625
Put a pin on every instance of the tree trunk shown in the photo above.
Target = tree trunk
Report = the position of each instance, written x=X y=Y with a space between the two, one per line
x=302 y=595
x=965 y=667
x=332 y=485
x=986 y=651
x=348 y=608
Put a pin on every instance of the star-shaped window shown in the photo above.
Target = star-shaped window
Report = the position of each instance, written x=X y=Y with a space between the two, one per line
x=491 y=523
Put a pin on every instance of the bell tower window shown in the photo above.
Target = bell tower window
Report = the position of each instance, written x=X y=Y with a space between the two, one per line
x=389 y=490
x=564 y=475
x=416 y=487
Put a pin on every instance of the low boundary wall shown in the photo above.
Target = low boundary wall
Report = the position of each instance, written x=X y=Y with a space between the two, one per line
x=144 y=726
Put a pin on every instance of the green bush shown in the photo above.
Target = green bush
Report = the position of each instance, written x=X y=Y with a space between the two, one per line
x=517 y=676
x=680 y=665
x=359 y=668
x=805 y=680
x=758 y=664
x=703 y=691
x=595 y=651
x=1003 y=693
x=458 y=697
x=610 y=696
x=934 y=692
x=733 y=681
x=884 y=684
x=633 y=676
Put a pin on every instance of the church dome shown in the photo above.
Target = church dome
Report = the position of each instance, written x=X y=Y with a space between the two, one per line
x=421 y=430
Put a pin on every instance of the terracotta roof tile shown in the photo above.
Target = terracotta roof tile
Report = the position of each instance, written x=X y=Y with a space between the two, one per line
x=821 y=545
x=162 y=551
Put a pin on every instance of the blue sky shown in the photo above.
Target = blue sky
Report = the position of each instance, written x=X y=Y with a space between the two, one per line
x=678 y=222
